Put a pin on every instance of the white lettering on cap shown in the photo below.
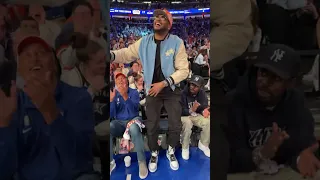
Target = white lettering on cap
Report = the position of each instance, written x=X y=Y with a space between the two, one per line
x=277 y=55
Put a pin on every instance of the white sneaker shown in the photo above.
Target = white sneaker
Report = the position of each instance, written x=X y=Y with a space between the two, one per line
x=185 y=154
x=204 y=148
x=172 y=159
x=112 y=166
x=143 y=170
x=153 y=163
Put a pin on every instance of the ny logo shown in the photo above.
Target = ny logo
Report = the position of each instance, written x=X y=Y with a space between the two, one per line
x=277 y=55
x=196 y=78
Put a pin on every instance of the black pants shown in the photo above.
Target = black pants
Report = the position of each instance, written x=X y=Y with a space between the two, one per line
x=171 y=100
x=219 y=141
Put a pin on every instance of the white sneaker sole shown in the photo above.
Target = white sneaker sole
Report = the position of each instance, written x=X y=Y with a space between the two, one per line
x=173 y=168
x=203 y=151
x=185 y=158
x=153 y=170
x=143 y=177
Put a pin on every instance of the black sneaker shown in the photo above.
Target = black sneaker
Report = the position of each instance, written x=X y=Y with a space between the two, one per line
x=153 y=163
x=174 y=164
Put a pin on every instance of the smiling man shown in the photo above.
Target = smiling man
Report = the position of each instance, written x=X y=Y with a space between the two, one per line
x=165 y=64
x=269 y=124
x=46 y=128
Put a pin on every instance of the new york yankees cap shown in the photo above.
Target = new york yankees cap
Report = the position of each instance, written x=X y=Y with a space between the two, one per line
x=279 y=59
x=197 y=80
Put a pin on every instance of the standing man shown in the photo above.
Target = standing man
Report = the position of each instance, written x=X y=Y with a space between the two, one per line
x=165 y=64
x=231 y=33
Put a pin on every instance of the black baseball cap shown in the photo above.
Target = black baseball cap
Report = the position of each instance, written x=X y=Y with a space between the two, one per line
x=279 y=59
x=197 y=80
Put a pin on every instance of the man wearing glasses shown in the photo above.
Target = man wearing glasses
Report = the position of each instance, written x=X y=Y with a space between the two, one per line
x=165 y=64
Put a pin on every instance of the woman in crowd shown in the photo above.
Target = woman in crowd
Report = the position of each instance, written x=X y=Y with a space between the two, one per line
x=139 y=86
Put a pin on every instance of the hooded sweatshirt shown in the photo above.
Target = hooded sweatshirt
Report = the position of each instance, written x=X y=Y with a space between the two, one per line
x=289 y=4
x=250 y=125
x=188 y=100
x=59 y=151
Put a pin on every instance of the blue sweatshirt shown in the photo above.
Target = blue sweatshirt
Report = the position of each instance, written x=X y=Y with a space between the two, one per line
x=59 y=151
x=250 y=125
x=125 y=110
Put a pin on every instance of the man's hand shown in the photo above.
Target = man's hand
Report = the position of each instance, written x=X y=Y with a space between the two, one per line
x=307 y=163
x=206 y=113
x=311 y=8
x=8 y=105
x=274 y=142
x=195 y=106
x=112 y=94
x=41 y=93
x=156 y=88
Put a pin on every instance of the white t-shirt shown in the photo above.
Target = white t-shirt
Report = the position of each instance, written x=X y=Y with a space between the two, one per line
x=200 y=60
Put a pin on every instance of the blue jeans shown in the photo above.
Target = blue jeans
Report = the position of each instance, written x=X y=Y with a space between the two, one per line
x=117 y=128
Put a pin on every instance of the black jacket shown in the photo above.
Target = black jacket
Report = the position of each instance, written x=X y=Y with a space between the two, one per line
x=250 y=125
x=187 y=101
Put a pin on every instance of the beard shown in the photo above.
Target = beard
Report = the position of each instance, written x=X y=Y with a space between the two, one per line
x=163 y=30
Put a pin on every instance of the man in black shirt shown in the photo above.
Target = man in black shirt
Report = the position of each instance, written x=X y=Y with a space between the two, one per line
x=165 y=64
x=269 y=124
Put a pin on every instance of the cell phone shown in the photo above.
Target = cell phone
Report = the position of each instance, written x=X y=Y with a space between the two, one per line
x=20 y=82
x=112 y=85
x=6 y=77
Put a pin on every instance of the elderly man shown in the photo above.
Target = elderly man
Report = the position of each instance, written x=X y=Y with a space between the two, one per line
x=124 y=108
x=47 y=126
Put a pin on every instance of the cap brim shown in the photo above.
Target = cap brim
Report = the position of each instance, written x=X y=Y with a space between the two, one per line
x=274 y=70
x=195 y=83
x=32 y=40
x=120 y=74
x=159 y=12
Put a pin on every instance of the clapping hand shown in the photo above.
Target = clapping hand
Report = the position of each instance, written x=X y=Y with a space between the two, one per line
x=206 y=113
x=8 y=105
x=308 y=164
x=274 y=142
x=195 y=106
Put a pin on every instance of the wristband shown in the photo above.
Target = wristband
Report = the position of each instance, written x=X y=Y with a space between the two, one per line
x=165 y=83
x=112 y=56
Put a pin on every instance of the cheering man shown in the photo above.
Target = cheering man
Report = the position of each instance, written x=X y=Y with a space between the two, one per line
x=165 y=64
x=46 y=128
x=269 y=123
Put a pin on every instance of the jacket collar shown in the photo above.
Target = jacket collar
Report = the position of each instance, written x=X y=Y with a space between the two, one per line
x=167 y=37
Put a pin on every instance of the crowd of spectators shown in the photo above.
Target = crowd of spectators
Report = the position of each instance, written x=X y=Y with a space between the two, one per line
x=183 y=5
